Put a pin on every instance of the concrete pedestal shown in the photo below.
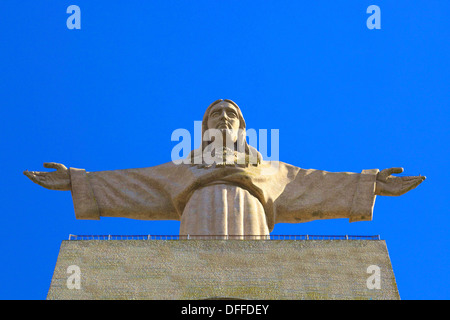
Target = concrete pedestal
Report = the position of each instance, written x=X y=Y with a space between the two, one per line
x=205 y=269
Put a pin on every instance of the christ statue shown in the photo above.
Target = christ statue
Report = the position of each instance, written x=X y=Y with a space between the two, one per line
x=225 y=189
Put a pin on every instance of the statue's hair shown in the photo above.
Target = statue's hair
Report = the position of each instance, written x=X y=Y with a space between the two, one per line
x=249 y=150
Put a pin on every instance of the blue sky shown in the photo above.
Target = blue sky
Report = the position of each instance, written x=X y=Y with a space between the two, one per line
x=108 y=96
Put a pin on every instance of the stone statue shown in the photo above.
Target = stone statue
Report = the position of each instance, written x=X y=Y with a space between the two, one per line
x=225 y=196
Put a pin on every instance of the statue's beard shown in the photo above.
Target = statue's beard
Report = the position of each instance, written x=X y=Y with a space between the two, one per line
x=224 y=147
x=223 y=150
x=225 y=136
x=229 y=135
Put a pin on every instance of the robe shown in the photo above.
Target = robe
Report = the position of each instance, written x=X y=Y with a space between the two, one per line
x=224 y=200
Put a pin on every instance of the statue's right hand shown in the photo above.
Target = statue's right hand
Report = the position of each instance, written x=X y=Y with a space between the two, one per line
x=54 y=180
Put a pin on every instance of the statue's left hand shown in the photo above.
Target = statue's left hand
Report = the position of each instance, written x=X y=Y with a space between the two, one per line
x=388 y=185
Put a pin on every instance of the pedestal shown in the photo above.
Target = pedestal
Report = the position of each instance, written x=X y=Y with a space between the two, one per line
x=225 y=269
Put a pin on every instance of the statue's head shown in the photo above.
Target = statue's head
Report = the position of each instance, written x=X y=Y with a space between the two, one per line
x=225 y=116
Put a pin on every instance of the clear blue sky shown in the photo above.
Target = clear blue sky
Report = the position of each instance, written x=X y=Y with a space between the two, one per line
x=108 y=96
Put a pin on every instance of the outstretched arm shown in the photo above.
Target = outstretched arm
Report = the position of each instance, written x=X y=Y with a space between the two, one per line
x=315 y=194
x=131 y=193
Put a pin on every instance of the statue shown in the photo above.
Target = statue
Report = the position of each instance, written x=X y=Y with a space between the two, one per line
x=223 y=190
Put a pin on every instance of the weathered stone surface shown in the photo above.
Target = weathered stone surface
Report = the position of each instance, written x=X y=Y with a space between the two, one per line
x=202 y=269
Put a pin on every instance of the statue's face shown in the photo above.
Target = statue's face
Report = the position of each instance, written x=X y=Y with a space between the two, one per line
x=225 y=117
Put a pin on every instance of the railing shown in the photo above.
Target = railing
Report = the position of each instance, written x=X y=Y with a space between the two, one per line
x=222 y=237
